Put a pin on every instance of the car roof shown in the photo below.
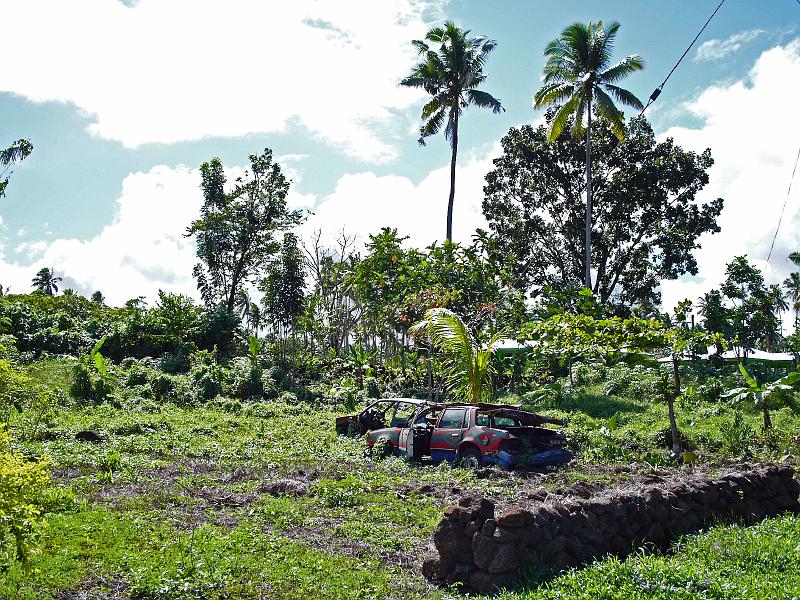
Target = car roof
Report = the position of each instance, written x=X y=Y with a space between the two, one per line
x=416 y=401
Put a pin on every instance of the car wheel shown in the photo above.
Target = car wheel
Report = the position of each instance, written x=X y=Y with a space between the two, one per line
x=469 y=458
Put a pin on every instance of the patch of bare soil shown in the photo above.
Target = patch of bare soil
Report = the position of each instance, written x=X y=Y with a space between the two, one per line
x=95 y=588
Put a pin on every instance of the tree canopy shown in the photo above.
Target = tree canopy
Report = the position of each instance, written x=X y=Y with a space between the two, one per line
x=236 y=230
x=647 y=219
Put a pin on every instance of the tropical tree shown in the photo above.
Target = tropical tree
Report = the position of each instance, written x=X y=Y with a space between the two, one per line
x=761 y=394
x=15 y=153
x=578 y=77
x=467 y=364
x=236 y=230
x=753 y=307
x=98 y=297
x=284 y=287
x=450 y=76
x=648 y=213
x=792 y=285
x=46 y=281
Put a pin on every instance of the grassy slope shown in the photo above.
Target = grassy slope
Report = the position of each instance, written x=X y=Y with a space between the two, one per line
x=171 y=506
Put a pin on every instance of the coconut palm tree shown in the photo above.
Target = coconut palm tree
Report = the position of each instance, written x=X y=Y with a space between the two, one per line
x=792 y=285
x=46 y=281
x=450 y=76
x=578 y=79
x=468 y=365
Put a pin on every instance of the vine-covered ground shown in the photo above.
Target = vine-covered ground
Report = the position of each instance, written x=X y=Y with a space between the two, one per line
x=264 y=500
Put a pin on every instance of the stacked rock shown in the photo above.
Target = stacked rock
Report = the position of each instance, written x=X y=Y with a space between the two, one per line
x=484 y=553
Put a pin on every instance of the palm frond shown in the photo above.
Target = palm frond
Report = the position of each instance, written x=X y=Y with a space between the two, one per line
x=577 y=38
x=468 y=367
x=16 y=152
x=421 y=46
x=627 y=66
x=484 y=100
x=625 y=97
x=432 y=125
x=552 y=94
x=559 y=122
x=610 y=113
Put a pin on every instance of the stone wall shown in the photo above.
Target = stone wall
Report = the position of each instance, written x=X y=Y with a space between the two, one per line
x=483 y=552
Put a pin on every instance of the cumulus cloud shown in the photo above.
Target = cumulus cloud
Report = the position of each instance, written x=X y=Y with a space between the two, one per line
x=362 y=203
x=718 y=49
x=754 y=142
x=155 y=71
x=142 y=250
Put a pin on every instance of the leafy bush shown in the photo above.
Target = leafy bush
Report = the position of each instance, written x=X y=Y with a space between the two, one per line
x=588 y=374
x=242 y=379
x=344 y=493
x=88 y=384
x=737 y=437
x=23 y=484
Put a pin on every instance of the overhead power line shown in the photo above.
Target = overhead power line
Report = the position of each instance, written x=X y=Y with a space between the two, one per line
x=657 y=92
x=785 y=200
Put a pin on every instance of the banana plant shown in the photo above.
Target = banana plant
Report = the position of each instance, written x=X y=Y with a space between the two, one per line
x=99 y=359
x=468 y=365
x=254 y=347
x=761 y=394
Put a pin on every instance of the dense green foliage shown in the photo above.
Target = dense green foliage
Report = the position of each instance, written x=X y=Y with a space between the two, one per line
x=646 y=219
x=173 y=502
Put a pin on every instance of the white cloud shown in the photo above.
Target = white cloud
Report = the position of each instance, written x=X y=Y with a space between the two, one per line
x=362 y=203
x=163 y=72
x=142 y=250
x=754 y=137
x=718 y=49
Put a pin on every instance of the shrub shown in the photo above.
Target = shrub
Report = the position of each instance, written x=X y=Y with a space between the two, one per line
x=288 y=398
x=269 y=388
x=242 y=379
x=588 y=374
x=260 y=410
x=89 y=384
x=229 y=405
x=23 y=485
x=737 y=437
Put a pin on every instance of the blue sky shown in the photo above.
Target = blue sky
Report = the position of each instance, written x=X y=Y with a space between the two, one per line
x=123 y=103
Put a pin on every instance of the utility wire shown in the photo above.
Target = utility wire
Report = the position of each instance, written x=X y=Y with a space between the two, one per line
x=785 y=200
x=657 y=92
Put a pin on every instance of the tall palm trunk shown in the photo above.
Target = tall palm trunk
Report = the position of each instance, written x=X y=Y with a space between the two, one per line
x=588 y=275
x=452 y=178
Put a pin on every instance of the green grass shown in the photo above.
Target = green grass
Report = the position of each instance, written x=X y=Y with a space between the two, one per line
x=725 y=563
x=168 y=506
x=98 y=548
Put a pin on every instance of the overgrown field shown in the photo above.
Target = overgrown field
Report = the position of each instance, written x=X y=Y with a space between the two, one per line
x=263 y=500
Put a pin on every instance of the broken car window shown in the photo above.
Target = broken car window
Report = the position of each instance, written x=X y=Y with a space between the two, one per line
x=453 y=418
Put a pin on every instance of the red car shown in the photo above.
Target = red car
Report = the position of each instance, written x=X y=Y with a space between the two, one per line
x=471 y=434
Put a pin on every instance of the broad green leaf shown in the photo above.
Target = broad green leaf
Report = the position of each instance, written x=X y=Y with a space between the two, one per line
x=98 y=345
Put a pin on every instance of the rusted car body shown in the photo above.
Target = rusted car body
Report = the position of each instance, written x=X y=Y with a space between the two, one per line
x=474 y=434
x=388 y=414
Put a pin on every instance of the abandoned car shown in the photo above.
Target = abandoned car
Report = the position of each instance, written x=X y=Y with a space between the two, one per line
x=470 y=434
